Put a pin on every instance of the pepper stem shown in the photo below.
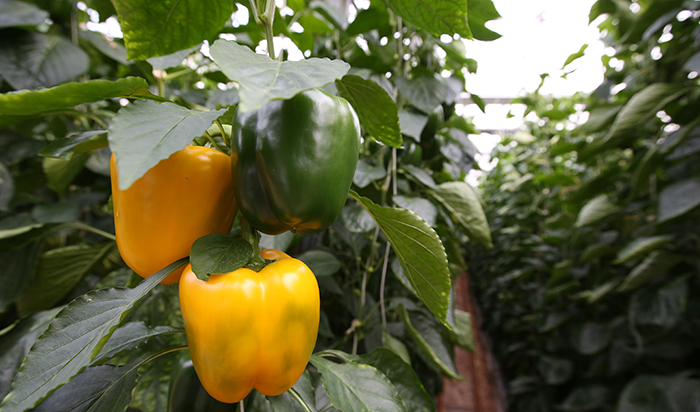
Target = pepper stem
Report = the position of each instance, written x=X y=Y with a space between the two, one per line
x=251 y=235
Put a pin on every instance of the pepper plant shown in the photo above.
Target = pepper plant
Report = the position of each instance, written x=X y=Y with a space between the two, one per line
x=591 y=294
x=81 y=331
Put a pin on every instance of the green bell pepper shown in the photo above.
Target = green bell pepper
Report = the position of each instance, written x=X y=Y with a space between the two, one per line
x=293 y=162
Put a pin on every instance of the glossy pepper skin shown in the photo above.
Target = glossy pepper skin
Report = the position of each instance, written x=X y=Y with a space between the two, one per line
x=293 y=162
x=188 y=395
x=250 y=329
x=182 y=198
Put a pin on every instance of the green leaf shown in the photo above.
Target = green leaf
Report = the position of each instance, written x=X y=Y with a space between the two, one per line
x=421 y=175
x=480 y=12
x=60 y=173
x=171 y=60
x=72 y=94
x=286 y=403
x=163 y=27
x=592 y=296
x=58 y=273
x=395 y=346
x=641 y=247
x=15 y=345
x=642 y=106
x=422 y=207
x=144 y=133
x=412 y=123
x=366 y=174
x=463 y=330
x=646 y=393
x=18 y=13
x=73 y=339
x=17 y=269
x=425 y=334
x=425 y=92
x=575 y=56
x=279 y=242
x=357 y=219
x=590 y=338
x=59 y=212
x=377 y=111
x=109 y=48
x=216 y=254
x=262 y=79
x=586 y=398
x=420 y=252
x=479 y=102
x=434 y=16
x=66 y=147
x=31 y=60
x=153 y=387
x=655 y=265
x=320 y=262
x=662 y=307
x=595 y=210
x=555 y=371
x=356 y=387
x=679 y=199
x=101 y=388
x=130 y=336
x=464 y=206
x=7 y=188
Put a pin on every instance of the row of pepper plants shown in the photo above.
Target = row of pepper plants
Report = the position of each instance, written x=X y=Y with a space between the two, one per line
x=591 y=294
x=79 y=330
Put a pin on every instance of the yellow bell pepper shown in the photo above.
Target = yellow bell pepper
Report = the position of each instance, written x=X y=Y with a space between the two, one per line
x=248 y=329
x=182 y=198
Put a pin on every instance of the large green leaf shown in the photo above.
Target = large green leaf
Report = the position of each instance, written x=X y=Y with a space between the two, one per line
x=646 y=393
x=656 y=264
x=412 y=122
x=424 y=332
x=679 y=198
x=378 y=113
x=73 y=339
x=419 y=251
x=595 y=210
x=156 y=28
x=425 y=92
x=217 y=253
x=109 y=48
x=153 y=387
x=662 y=307
x=366 y=173
x=17 y=269
x=130 y=336
x=28 y=102
x=355 y=387
x=435 y=16
x=320 y=262
x=144 y=133
x=480 y=12
x=58 y=272
x=31 y=60
x=464 y=206
x=66 y=147
x=590 y=337
x=262 y=79
x=641 y=247
x=18 y=13
x=16 y=344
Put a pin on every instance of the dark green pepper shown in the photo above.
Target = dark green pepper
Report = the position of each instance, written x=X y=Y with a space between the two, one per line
x=293 y=162
x=188 y=395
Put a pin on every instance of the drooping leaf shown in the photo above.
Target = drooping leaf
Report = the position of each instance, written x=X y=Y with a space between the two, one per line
x=262 y=79
x=357 y=219
x=427 y=337
x=31 y=102
x=575 y=56
x=216 y=254
x=18 y=13
x=60 y=173
x=419 y=251
x=480 y=12
x=16 y=344
x=366 y=174
x=163 y=27
x=377 y=111
x=73 y=339
x=58 y=273
x=354 y=387
x=463 y=331
x=130 y=336
x=595 y=210
x=462 y=203
x=172 y=59
x=396 y=346
x=32 y=60
x=421 y=175
x=66 y=147
x=109 y=48
x=425 y=92
x=320 y=262
x=412 y=123
x=679 y=198
x=144 y=133
x=435 y=17
x=641 y=247
x=656 y=264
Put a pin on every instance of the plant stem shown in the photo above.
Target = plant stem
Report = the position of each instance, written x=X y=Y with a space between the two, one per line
x=268 y=19
x=250 y=235
x=211 y=139
x=299 y=399
x=227 y=139
x=241 y=405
